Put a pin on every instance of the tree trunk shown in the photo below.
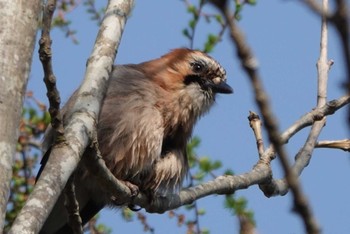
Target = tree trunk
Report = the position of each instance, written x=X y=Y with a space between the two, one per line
x=19 y=19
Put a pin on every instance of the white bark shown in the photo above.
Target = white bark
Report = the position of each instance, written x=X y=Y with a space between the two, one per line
x=19 y=23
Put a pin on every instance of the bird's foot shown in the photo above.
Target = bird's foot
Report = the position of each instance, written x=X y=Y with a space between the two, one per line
x=134 y=189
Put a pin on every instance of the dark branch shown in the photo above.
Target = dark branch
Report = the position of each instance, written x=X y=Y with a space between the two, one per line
x=45 y=54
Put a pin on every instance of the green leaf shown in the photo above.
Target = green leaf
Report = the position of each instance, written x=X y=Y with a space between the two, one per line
x=127 y=214
x=210 y=43
x=216 y=165
x=186 y=33
x=199 y=176
x=219 y=19
x=32 y=113
x=229 y=172
x=192 y=24
x=241 y=204
x=191 y=9
x=204 y=164
x=230 y=203
x=189 y=206
x=46 y=117
x=101 y=228
x=201 y=211
x=252 y=2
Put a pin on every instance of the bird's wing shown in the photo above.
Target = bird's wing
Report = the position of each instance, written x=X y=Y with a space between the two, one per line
x=130 y=128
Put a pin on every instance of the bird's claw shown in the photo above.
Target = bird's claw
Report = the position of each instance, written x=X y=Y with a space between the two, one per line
x=134 y=189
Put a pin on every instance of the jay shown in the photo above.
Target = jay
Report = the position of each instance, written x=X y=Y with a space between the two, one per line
x=146 y=120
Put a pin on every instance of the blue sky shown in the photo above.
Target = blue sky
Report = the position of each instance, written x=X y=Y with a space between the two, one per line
x=285 y=38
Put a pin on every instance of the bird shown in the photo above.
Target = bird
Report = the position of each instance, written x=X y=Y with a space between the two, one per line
x=146 y=119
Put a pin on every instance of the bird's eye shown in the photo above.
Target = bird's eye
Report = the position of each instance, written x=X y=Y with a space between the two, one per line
x=197 y=67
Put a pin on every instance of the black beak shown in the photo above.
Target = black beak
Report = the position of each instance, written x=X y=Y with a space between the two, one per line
x=221 y=87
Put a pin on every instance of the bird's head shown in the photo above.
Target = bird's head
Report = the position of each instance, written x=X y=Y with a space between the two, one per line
x=191 y=75
x=184 y=67
x=198 y=68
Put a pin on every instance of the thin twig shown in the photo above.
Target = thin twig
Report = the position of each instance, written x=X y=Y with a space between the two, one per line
x=72 y=206
x=25 y=171
x=45 y=54
x=280 y=187
x=340 y=19
x=255 y=124
x=323 y=65
x=195 y=204
x=338 y=144
x=197 y=13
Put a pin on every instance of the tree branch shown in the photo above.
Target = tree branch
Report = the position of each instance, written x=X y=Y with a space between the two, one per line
x=81 y=122
x=304 y=156
x=224 y=184
x=45 y=55
x=340 y=19
x=280 y=187
x=338 y=144
x=255 y=124
x=72 y=207
x=249 y=64
x=19 y=24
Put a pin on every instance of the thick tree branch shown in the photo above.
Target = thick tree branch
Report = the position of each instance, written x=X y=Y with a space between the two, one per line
x=19 y=24
x=80 y=124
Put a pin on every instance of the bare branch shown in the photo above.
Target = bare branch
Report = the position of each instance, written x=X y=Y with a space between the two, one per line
x=255 y=124
x=45 y=54
x=72 y=206
x=250 y=67
x=221 y=185
x=225 y=184
x=280 y=187
x=246 y=225
x=304 y=156
x=340 y=19
x=317 y=8
x=338 y=144
x=312 y=116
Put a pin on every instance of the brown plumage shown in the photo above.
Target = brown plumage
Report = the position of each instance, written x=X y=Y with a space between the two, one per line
x=146 y=119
